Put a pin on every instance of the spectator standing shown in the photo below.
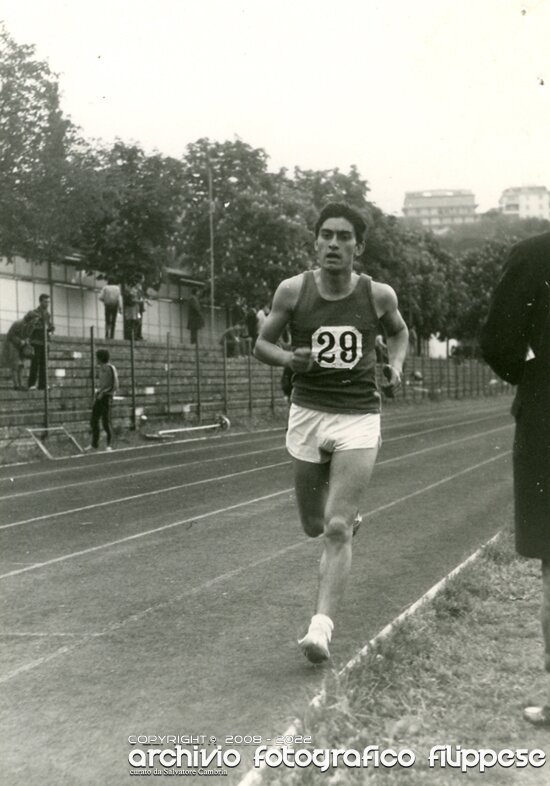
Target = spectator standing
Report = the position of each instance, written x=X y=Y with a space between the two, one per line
x=39 y=318
x=16 y=349
x=131 y=310
x=232 y=340
x=103 y=399
x=195 y=320
x=141 y=301
x=111 y=297
x=515 y=342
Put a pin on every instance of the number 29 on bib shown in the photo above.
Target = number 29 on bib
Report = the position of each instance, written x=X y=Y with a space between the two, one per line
x=337 y=346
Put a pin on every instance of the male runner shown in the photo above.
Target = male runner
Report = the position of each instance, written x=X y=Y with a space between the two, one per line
x=333 y=434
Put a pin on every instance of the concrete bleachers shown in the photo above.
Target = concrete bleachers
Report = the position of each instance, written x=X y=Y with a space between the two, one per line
x=176 y=384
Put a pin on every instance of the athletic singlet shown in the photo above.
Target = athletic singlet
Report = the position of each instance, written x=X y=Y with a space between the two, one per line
x=341 y=335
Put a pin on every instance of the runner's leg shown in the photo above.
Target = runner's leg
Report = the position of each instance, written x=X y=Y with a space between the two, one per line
x=311 y=482
x=350 y=473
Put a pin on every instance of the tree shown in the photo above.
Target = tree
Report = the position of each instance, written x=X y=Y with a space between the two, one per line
x=260 y=227
x=492 y=225
x=479 y=270
x=132 y=228
x=331 y=185
x=413 y=263
x=38 y=153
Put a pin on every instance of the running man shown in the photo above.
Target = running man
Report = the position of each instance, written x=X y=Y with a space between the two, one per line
x=333 y=436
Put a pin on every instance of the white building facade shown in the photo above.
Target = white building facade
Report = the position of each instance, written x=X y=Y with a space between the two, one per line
x=440 y=209
x=525 y=202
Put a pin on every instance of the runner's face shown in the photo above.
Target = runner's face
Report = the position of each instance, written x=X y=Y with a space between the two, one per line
x=336 y=245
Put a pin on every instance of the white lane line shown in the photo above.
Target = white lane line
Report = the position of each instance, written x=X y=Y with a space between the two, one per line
x=389 y=423
x=215 y=580
x=440 y=428
x=144 y=534
x=144 y=494
x=113 y=461
x=132 y=497
x=10 y=634
x=164 y=527
x=115 y=626
x=254 y=776
x=133 y=474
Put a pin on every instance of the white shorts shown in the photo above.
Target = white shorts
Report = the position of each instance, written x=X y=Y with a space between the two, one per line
x=313 y=436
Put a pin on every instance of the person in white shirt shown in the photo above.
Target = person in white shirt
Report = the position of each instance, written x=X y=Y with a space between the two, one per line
x=111 y=298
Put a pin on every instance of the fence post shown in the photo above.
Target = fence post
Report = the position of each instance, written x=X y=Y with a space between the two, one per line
x=46 y=380
x=198 y=374
x=133 y=378
x=249 y=372
x=272 y=386
x=225 y=387
x=423 y=372
x=92 y=361
x=168 y=370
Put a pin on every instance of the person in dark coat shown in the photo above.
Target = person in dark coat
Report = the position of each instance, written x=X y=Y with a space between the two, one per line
x=16 y=349
x=195 y=320
x=515 y=342
x=41 y=318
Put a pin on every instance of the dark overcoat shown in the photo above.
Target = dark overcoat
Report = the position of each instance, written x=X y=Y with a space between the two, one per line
x=515 y=342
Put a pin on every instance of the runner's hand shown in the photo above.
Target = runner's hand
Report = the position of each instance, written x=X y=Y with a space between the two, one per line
x=301 y=360
x=393 y=381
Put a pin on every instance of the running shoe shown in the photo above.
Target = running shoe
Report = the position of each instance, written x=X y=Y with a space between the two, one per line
x=538 y=716
x=315 y=643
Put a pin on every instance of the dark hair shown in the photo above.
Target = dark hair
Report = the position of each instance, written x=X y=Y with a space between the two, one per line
x=102 y=355
x=341 y=210
x=42 y=297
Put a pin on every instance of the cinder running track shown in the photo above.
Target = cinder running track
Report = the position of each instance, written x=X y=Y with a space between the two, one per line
x=161 y=590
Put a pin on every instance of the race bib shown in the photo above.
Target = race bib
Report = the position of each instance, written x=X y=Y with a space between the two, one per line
x=337 y=346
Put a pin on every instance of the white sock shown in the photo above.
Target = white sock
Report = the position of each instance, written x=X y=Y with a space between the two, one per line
x=324 y=622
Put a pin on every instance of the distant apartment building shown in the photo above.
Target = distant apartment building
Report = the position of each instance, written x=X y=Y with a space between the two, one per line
x=525 y=202
x=441 y=210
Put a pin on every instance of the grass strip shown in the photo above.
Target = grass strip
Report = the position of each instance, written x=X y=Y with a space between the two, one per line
x=458 y=672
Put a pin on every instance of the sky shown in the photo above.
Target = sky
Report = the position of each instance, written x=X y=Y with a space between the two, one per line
x=418 y=94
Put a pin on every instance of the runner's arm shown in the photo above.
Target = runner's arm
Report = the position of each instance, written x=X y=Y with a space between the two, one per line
x=397 y=333
x=266 y=348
